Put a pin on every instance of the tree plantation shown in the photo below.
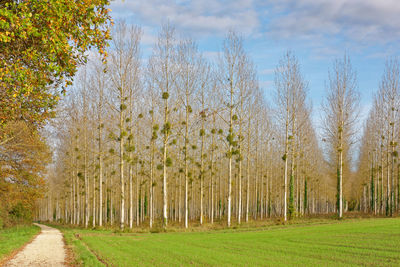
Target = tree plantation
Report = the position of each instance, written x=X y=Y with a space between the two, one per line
x=176 y=139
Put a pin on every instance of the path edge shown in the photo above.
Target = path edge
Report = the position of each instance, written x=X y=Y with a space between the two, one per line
x=70 y=257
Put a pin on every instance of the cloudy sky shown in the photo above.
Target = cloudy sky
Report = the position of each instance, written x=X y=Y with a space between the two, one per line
x=318 y=31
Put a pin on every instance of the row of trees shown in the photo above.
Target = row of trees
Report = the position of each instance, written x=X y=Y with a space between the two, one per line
x=379 y=166
x=188 y=140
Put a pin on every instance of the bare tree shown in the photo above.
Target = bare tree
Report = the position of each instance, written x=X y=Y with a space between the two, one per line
x=290 y=98
x=341 y=111
x=231 y=70
x=164 y=70
x=390 y=89
x=123 y=67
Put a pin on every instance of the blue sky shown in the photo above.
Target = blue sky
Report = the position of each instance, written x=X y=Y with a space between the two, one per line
x=317 y=31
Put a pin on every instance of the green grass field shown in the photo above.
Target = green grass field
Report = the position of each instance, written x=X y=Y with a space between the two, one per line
x=366 y=242
x=13 y=238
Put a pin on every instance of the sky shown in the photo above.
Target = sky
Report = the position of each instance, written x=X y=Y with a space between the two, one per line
x=317 y=31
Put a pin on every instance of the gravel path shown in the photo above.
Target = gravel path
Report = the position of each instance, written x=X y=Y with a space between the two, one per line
x=47 y=249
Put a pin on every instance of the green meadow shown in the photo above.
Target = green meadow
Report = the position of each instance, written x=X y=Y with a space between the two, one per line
x=354 y=242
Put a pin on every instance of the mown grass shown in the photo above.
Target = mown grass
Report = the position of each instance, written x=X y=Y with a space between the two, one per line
x=365 y=242
x=13 y=238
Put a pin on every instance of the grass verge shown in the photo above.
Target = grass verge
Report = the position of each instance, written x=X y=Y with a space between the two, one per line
x=14 y=238
x=81 y=253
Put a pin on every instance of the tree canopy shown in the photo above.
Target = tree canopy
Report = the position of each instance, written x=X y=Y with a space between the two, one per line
x=42 y=43
x=23 y=159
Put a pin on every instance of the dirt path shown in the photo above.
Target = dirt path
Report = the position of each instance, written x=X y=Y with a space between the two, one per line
x=47 y=249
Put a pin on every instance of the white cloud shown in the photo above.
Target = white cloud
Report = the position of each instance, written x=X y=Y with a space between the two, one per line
x=211 y=55
x=327 y=27
x=357 y=20
x=266 y=71
x=266 y=85
x=207 y=17
x=149 y=37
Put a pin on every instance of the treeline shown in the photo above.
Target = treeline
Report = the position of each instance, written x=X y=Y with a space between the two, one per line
x=379 y=160
x=178 y=138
